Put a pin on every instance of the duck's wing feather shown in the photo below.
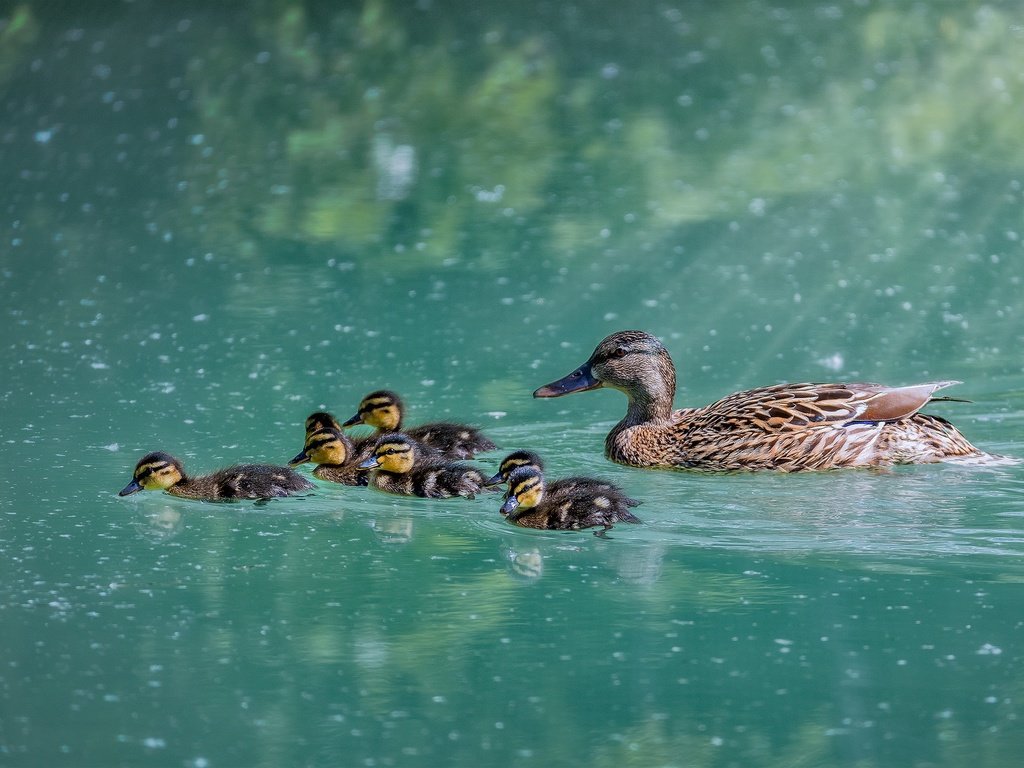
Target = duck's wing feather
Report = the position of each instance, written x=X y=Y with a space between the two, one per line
x=793 y=407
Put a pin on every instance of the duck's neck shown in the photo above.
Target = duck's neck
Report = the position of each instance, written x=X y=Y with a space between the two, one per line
x=650 y=404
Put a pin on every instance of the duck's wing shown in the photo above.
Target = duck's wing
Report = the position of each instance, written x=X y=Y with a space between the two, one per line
x=794 y=407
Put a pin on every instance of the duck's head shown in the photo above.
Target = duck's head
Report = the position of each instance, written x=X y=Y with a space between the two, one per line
x=321 y=420
x=156 y=471
x=324 y=446
x=634 y=362
x=525 y=489
x=393 y=453
x=381 y=409
x=513 y=461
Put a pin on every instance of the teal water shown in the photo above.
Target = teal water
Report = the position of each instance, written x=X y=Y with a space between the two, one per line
x=216 y=221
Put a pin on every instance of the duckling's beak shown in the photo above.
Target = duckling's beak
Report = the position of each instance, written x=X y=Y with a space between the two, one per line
x=510 y=505
x=370 y=463
x=357 y=419
x=579 y=380
x=132 y=487
x=496 y=480
x=300 y=458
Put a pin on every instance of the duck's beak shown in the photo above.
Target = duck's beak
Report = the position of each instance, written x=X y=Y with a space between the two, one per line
x=300 y=458
x=357 y=419
x=579 y=380
x=370 y=463
x=496 y=480
x=132 y=487
x=510 y=505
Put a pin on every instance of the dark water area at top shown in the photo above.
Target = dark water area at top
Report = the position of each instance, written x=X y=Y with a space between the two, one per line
x=215 y=220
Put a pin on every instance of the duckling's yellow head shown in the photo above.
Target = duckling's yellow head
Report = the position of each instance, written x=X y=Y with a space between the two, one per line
x=394 y=453
x=525 y=489
x=512 y=462
x=381 y=409
x=324 y=446
x=321 y=420
x=156 y=471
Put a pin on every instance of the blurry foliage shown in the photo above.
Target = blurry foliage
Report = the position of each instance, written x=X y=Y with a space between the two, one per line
x=18 y=31
x=386 y=126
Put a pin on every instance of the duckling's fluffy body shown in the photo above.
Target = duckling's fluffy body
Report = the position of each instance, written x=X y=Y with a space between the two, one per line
x=384 y=411
x=397 y=468
x=571 y=504
x=786 y=427
x=161 y=471
x=335 y=456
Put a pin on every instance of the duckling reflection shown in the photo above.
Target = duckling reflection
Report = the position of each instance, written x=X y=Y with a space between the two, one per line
x=160 y=471
x=162 y=524
x=383 y=410
x=573 y=507
x=334 y=455
x=527 y=564
x=397 y=468
x=393 y=530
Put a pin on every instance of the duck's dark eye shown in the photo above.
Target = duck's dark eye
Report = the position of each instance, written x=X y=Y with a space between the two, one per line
x=618 y=352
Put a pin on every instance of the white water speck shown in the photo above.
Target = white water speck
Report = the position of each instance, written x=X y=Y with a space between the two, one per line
x=112 y=447
x=200 y=318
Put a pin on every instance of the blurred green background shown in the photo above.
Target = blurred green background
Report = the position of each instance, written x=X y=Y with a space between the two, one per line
x=218 y=217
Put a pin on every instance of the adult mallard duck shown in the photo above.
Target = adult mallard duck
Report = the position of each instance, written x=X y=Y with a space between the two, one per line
x=334 y=455
x=786 y=427
x=397 y=467
x=569 y=507
x=383 y=410
x=160 y=471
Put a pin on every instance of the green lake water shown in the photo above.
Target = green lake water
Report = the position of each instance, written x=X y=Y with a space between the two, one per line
x=216 y=219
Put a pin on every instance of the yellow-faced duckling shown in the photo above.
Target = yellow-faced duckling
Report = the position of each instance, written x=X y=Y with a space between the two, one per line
x=786 y=427
x=531 y=504
x=162 y=472
x=383 y=410
x=574 y=485
x=321 y=420
x=396 y=468
x=334 y=456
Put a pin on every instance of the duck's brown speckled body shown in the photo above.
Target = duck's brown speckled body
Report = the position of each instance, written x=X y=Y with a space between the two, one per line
x=161 y=471
x=336 y=458
x=786 y=427
x=396 y=468
x=573 y=505
x=384 y=411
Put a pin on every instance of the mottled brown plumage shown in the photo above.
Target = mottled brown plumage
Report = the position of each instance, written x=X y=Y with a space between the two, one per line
x=334 y=455
x=161 y=471
x=397 y=466
x=383 y=410
x=786 y=427
x=531 y=503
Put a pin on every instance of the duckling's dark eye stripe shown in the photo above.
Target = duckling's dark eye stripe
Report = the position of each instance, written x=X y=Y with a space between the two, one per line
x=312 y=445
x=391 y=451
x=373 y=405
x=150 y=469
x=528 y=485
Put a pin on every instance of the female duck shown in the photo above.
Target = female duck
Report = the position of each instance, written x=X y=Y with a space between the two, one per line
x=384 y=411
x=395 y=468
x=787 y=427
x=334 y=456
x=531 y=504
x=162 y=472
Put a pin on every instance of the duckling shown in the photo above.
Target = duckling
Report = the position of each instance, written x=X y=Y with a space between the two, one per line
x=159 y=471
x=531 y=504
x=321 y=420
x=566 y=485
x=383 y=410
x=786 y=427
x=334 y=455
x=397 y=468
